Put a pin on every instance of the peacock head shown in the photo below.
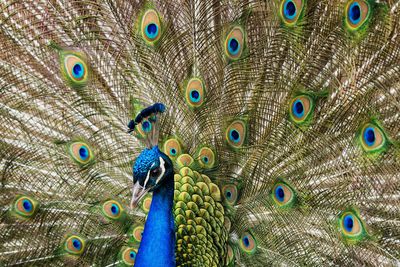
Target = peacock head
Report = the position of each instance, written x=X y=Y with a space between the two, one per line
x=150 y=171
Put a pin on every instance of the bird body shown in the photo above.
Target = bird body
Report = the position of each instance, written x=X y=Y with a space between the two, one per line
x=200 y=133
x=159 y=235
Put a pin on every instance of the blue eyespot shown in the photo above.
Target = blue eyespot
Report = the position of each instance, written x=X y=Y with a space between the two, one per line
x=230 y=193
x=114 y=209
x=233 y=46
x=234 y=136
x=78 y=71
x=235 y=43
x=369 y=136
x=146 y=126
x=77 y=244
x=194 y=96
x=205 y=159
x=348 y=223
x=298 y=108
x=74 y=245
x=83 y=153
x=354 y=13
x=279 y=193
x=246 y=241
x=129 y=256
x=151 y=30
x=172 y=151
x=27 y=204
x=289 y=10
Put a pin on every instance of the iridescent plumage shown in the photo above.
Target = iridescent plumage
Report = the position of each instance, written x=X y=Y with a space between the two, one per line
x=238 y=133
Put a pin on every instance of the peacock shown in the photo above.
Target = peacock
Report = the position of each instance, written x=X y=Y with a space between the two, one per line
x=200 y=133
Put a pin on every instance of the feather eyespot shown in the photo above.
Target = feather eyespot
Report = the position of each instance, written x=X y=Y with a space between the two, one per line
x=291 y=10
x=351 y=226
x=80 y=152
x=129 y=256
x=283 y=195
x=172 y=148
x=195 y=93
x=74 y=68
x=112 y=209
x=137 y=233
x=173 y=152
x=248 y=243
x=25 y=206
x=236 y=133
x=301 y=108
x=357 y=13
x=151 y=26
x=373 y=138
x=206 y=157
x=146 y=203
x=234 y=43
x=233 y=46
x=146 y=126
x=184 y=160
x=75 y=245
x=230 y=193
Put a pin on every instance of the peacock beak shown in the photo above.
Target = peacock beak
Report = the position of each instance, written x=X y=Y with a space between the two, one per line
x=138 y=193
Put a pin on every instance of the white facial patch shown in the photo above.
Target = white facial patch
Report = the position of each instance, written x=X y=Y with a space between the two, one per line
x=162 y=166
x=148 y=175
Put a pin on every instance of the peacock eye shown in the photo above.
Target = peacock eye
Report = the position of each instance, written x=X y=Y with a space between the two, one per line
x=373 y=138
x=248 y=243
x=352 y=227
x=112 y=209
x=283 y=195
x=151 y=26
x=234 y=43
x=74 y=68
x=357 y=13
x=25 y=206
x=194 y=94
x=136 y=233
x=75 y=245
x=146 y=126
x=172 y=148
x=301 y=109
x=206 y=158
x=129 y=256
x=230 y=193
x=291 y=10
x=236 y=133
x=80 y=152
x=146 y=202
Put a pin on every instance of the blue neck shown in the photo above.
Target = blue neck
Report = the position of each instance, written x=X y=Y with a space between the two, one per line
x=157 y=248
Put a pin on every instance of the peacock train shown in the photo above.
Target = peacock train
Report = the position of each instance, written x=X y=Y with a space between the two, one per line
x=200 y=133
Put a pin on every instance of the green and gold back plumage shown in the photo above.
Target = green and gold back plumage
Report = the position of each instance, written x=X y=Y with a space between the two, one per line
x=282 y=121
